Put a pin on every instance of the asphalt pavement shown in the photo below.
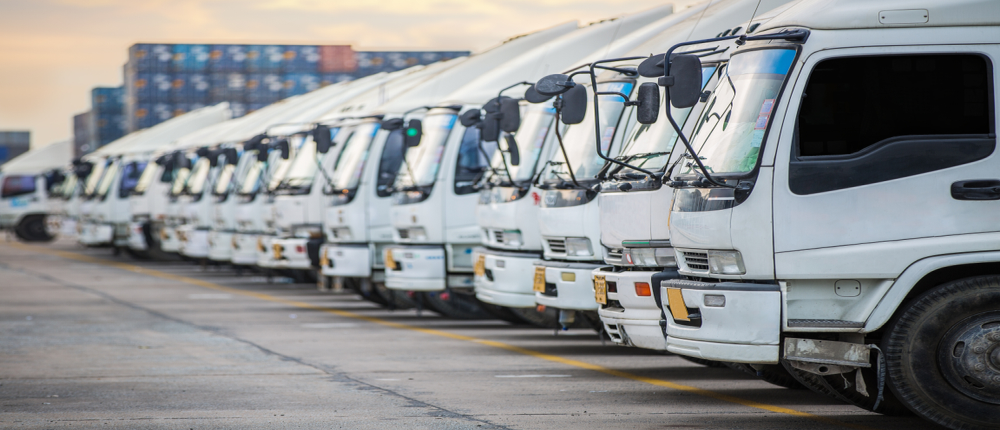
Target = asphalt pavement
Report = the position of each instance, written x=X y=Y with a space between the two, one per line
x=93 y=340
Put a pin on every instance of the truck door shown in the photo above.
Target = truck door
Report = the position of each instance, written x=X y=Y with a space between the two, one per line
x=887 y=155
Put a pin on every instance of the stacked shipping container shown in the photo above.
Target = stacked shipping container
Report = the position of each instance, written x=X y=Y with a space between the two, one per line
x=163 y=81
x=13 y=143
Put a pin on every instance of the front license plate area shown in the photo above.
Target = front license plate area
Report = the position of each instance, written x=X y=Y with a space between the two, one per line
x=539 y=284
x=479 y=269
x=601 y=289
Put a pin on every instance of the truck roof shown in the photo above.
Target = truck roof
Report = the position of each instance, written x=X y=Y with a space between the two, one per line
x=861 y=14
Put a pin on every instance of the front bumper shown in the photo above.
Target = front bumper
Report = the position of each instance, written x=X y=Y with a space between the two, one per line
x=93 y=234
x=291 y=253
x=568 y=286
x=244 y=249
x=745 y=329
x=267 y=256
x=420 y=268
x=631 y=319
x=505 y=278
x=194 y=241
x=349 y=261
x=220 y=245
x=137 y=237
x=168 y=239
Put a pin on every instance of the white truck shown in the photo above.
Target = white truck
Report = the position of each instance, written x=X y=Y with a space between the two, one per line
x=26 y=185
x=836 y=215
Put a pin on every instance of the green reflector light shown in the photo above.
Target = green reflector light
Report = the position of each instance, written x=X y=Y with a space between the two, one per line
x=411 y=132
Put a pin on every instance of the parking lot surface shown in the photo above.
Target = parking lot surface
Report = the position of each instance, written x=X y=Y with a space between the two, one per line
x=92 y=340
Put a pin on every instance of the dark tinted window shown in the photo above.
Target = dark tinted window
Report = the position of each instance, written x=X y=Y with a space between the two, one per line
x=853 y=103
x=472 y=161
x=17 y=186
x=130 y=178
x=388 y=165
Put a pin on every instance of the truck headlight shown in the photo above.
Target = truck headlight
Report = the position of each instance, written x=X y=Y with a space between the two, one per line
x=307 y=231
x=413 y=233
x=512 y=238
x=649 y=257
x=726 y=263
x=341 y=233
x=578 y=247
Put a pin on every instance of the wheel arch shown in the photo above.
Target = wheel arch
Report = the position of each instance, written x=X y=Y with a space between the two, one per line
x=928 y=273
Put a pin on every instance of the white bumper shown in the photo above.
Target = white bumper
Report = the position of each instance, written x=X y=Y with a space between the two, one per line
x=194 y=242
x=568 y=286
x=746 y=329
x=290 y=254
x=418 y=268
x=136 y=238
x=93 y=234
x=245 y=249
x=628 y=318
x=168 y=239
x=349 y=261
x=506 y=279
x=220 y=245
x=266 y=257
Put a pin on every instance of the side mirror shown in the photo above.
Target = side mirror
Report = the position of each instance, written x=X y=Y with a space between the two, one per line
x=414 y=131
x=515 y=154
x=651 y=67
x=262 y=151
x=510 y=111
x=532 y=96
x=574 y=105
x=282 y=145
x=181 y=161
x=470 y=118
x=83 y=169
x=324 y=141
x=231 y=156
x=161 y=160
x=684 y=81
x=392 y=124
x=553 y=85
x=648 y=97
x=491 y=128
x=202 y=152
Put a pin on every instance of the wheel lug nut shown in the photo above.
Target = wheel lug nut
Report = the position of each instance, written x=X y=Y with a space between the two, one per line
x=979 y=350
x=995 y=336
x=979 y=367
x=996 y=379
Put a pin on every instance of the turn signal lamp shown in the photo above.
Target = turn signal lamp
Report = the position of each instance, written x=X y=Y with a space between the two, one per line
x=642 y=289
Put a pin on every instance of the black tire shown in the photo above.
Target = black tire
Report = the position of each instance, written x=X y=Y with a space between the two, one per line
x=943 y=354
x=771 y=373
x=549 y=318
x=32 y=229
x=455 y=305
x=833 y=386
x=706 y=363
x=394 y=299
x=364 y=289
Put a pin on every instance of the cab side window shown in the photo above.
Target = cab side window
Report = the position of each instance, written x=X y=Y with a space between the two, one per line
x=20 y=185
x=865 y=120
x=388 y=165
x=471 y=161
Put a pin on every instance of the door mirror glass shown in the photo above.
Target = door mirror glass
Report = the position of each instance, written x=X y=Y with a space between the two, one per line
x=491 y=127
x=648 y=97
x=510 y=115
x=515 y=155
x=414 y=131
x=553 y=85
x=323 y=139
x=574 y=105
x=470 y=118
x=231 y=156
x=392 y=124
x=651 y=67
x=262 y=152
x=684 y=81
x=282 y=145
x=532 y=96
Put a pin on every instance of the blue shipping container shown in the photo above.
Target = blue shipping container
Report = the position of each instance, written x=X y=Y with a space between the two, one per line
x=264 y=58
x=190 y=58
x=300 y=59
x=263 y=88
x=107 y=99
x=333 y=78
x=299 y=83
x=226 y=87
x=150 y=58
x=190 y=88
x=227 y=58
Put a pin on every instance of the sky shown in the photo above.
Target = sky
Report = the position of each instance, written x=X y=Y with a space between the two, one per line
x=52 y=52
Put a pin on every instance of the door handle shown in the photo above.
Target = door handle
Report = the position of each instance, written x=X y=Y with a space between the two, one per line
x=976 y=189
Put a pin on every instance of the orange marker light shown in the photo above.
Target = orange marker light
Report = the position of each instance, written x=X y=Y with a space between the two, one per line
x=642 y=289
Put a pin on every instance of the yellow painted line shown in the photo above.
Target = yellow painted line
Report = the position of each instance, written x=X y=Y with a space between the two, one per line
x=433 y=332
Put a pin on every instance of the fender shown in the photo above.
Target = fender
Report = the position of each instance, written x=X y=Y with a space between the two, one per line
x=912 y=276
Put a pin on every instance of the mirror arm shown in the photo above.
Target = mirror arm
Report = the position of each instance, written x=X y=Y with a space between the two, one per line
x=597 y=121
x=486 y=156
x=562 y=147
x=687 y=144
x=319 y=165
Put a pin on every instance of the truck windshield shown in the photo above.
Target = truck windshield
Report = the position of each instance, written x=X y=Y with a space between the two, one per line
x=530 y=138
x=108 y=179
x=250 y=180
x=131 y=174
x=730 y=132
x=224 y=179
x=579 y=138
x=67 y=187
x=648 y=146
x=279 y=167
x=425 y=158
x=180 y=180
x=146 y=179
x=352 y=157
x=199 y=176
x=90 y=185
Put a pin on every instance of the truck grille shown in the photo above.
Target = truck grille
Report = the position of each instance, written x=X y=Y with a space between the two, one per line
x=696 y=261
x=614 y=256
x=498 y=235
x=557 y=246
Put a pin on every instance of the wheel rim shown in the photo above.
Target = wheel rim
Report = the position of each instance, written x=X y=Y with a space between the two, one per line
x=969 y=355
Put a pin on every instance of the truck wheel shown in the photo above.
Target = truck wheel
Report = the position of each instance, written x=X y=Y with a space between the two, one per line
x=394 y=299
x=773 y=373
x=364 y=289
x=32 y=229
x=455 y=305
x=943 y=354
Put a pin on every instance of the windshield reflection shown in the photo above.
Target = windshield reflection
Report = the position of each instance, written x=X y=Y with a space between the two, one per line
x=425 y=158
x=531 y=136
x=351 y=160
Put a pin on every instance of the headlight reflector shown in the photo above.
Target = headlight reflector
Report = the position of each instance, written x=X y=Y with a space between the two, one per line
x=579 y=247
x=726 y=263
